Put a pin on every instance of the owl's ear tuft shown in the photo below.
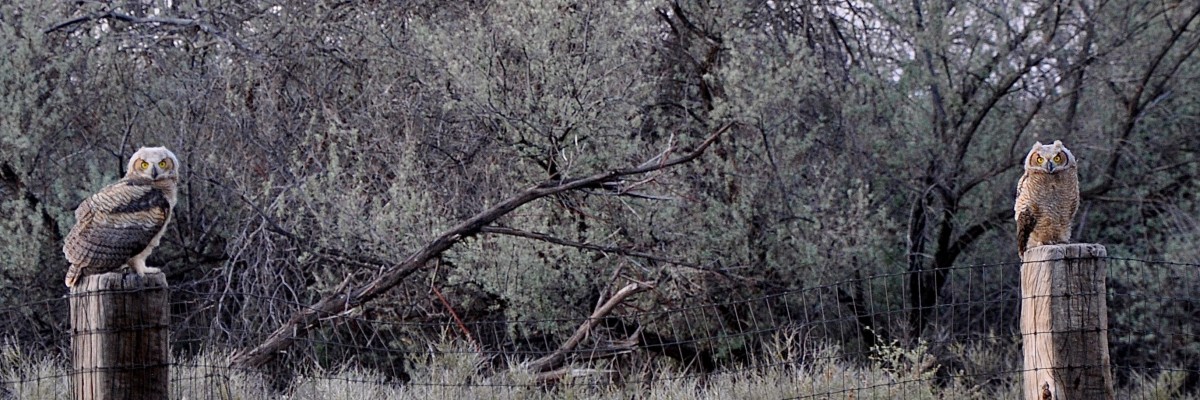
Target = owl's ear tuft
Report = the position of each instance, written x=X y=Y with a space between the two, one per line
x=1038 y=143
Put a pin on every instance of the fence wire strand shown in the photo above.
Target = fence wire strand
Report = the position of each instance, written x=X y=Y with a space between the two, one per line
x=845 y=339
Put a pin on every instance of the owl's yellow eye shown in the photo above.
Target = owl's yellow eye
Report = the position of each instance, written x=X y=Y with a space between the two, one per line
x=144 y=165
x=164 y=164
x=1057 y=159
x=1039 y=160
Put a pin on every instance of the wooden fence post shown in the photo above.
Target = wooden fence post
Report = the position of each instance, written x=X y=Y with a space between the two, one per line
x=1064 y=323
x=119 y=337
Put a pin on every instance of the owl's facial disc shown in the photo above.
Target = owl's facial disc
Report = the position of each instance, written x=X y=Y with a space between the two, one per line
x=156 y=163
x=1054 y=163
x=1049 y=159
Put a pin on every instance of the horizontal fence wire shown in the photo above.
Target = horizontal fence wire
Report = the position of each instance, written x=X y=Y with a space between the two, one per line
x=853 y=338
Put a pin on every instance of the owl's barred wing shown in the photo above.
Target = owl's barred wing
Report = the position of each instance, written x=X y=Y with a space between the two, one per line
x=1026 y=223
x=1073 y=205
x=113 y=226
x=82 y=212
x=1020 y=193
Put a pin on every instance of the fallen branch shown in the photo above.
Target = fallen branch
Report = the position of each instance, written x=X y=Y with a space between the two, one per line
x=339 y=300
x=555 y=359
x=682 y=350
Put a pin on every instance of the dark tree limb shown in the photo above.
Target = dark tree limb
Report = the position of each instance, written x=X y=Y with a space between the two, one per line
x=870 y=334
x=10 y=180
x=1139 y=101
x=969 y=235
x=341 y=300
x=925 y=283
x=1007 y=163
x=918 y=222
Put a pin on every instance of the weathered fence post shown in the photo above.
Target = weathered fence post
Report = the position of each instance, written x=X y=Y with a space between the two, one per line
x=1064 y=323
x=119 y=337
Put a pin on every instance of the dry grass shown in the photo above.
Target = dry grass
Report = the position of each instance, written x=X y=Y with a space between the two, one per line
x=896 y=374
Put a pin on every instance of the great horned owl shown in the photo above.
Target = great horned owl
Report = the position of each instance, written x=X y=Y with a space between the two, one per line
x=123 y=222
x=1047 y=197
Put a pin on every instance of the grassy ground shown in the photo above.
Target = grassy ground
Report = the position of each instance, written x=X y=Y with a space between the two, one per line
x=896 y=374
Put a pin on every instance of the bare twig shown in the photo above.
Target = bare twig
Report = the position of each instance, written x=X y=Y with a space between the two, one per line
x=637 y=195
x=555 y=359
x=338 y=301
x=457 y=320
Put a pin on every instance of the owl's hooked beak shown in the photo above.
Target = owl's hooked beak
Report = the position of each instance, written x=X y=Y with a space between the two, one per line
x=154 y=172
x=1050 y=166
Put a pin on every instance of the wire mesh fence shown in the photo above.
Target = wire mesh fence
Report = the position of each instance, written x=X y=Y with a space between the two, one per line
x=846 y=339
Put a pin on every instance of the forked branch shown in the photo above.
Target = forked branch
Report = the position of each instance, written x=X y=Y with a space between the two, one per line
x=556 y=359
x=341 y=300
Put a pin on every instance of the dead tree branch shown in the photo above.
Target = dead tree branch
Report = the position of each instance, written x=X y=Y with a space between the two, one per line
x=458 y=321
x=340 y=301
x=679 y=349
x=556 y=359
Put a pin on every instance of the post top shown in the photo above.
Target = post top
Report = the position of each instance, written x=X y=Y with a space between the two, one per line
x=1065 y=251
x=116 y=281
